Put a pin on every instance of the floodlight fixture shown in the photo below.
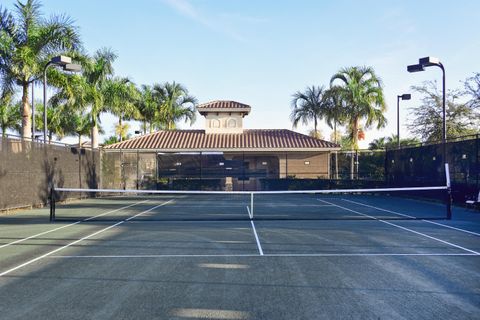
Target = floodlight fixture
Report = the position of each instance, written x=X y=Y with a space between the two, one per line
x=66 y=63
x=415 y=68
x=429 y=61
x=73 y=67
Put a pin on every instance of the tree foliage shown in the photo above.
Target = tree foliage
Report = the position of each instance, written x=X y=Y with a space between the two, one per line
x=390 y=142
x=174 y=104
x=427 y=118
x=27 y=42
x=472 y=89
x=310 y=105
x=360 y=92
x=10 y=116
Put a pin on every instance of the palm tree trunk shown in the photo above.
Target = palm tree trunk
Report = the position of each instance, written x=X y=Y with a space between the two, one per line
x=120 y=129
x=95 y=136
x=144 y=127
x=79 y=140
x=353 y=164
x=336 y=152
x=26 y=113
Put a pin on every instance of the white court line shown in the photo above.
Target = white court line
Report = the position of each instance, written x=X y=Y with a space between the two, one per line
x=79 y=240
x=256 y=238
x=68 y=225
x=440 y=224
x=249 y=213
x=406 y=229
x=144 y=256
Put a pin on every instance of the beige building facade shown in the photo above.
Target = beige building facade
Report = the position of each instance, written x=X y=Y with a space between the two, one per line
x=241 y=159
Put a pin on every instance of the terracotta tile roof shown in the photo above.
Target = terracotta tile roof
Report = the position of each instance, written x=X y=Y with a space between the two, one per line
x=223 y=105
x=197 y=140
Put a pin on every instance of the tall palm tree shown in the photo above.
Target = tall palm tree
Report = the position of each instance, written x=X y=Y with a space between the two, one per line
x=361 y=92
x=97 y=72
x=86 y=92
x=309 y=105
x=121 y=97
x=27 y=42
x=174 y=104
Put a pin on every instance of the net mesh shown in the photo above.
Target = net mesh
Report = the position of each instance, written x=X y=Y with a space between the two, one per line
x=161 y=205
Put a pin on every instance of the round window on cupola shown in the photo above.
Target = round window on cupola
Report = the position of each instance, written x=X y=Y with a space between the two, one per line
x=231 y=123
x=214 y=123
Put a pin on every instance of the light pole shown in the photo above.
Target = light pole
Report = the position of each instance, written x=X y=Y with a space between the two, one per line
x=66 y=63
x=422 y=64
x=429 y=62
x=405 y=96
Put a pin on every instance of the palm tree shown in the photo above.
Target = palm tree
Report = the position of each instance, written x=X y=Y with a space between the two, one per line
x=146 y=107
x=378 y=144
x=86 y=92
x=80 y=125
x=361 y=92
x=57 y=122
x=173 y=104
x=27 y=43
x=309 y=105
x=10 y=117
x=122 y=131
x=334 y=114
x=121 y=97
x=98 y=70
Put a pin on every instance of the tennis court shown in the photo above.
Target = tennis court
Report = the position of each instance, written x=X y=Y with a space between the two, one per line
x=129 y=257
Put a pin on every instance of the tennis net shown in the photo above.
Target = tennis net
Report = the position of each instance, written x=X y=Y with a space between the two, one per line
x=353 y=204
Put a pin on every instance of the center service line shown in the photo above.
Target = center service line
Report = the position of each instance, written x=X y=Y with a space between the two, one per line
x=259 y=246
x=79 y=240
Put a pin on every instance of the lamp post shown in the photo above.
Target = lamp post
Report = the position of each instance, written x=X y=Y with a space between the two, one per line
x=422 y=64
x=405 y=96
x=429 y=62
x=66 y=63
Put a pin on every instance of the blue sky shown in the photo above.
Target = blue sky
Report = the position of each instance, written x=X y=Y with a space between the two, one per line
x=261 y=52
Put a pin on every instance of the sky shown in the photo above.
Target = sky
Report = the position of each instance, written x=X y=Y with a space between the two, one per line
x=262 y=52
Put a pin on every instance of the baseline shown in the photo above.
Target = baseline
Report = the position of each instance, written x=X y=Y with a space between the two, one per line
x=264 y=255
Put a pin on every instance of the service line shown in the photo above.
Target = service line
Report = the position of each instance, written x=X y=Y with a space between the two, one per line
x=79 y=240
x=68 y=225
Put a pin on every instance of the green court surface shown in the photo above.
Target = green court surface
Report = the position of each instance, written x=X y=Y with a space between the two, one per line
x=130 y=267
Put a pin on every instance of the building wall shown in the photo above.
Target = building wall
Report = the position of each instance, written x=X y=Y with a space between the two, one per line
x=224 y=122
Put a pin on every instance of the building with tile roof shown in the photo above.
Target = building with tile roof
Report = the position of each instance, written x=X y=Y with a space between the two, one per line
x=239 y=158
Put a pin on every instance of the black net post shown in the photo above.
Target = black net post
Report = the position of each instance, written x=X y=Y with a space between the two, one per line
x=52 y=204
